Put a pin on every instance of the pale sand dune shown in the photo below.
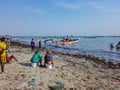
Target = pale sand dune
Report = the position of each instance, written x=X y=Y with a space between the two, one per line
x=75 y=73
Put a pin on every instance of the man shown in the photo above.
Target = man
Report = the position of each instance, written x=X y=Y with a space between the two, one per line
x=2 y=53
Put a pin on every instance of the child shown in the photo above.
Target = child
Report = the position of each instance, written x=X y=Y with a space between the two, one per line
x=11 y=58
x=37 y=58
x=48 y=58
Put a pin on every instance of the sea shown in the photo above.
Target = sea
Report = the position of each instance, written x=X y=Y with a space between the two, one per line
x=97 y=46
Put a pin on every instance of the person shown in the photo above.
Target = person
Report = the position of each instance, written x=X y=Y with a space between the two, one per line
x=111 y=46
x=10 y=58
x=48 y=58
x=8 y=43
x=40 y=44
x=36 y=58
x=32 y=44
x=3 y=47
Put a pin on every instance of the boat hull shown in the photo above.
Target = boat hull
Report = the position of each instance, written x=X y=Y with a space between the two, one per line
x=68 y=42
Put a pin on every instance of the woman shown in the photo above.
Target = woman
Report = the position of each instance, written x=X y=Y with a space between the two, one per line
x=32 y=44
x=36 y=58
x=2 y=53
x=48 y=58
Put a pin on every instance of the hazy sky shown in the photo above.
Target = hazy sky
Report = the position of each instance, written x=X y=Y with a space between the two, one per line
x=60 y=17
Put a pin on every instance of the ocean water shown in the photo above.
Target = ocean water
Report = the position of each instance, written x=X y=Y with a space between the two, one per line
x=98 y=46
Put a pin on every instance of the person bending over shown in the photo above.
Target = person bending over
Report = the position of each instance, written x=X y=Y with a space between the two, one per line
x=10 y=58
x=36 y=58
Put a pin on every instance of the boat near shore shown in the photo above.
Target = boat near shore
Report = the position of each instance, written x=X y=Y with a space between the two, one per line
x=118 y=45
x=67 y=42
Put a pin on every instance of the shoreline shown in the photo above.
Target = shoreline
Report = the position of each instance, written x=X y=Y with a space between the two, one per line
x=97 y=60
x=72 y=72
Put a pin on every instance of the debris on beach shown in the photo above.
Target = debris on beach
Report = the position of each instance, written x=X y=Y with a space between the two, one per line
x=23 y=85
x=32 y=81
x=57 y=85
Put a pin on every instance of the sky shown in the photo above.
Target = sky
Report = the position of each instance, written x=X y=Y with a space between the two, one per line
x=60 y=17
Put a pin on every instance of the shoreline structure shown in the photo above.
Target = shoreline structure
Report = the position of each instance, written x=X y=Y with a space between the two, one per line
x=102 y=62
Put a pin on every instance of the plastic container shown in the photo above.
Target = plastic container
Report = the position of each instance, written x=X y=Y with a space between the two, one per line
x=49 y=66
x=32 y=81
x=21 y=86
x=34 y=64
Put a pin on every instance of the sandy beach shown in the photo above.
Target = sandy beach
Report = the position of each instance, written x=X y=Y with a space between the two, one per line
x=72 y=72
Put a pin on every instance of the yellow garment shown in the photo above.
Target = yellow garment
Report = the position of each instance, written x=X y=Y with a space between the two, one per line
x=3 y=55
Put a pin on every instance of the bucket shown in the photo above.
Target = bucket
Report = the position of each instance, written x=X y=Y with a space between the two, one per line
x=33 y=64
x=49 y=66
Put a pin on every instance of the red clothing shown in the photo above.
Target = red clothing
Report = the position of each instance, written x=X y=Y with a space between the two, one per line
x=50 y=62
x=9 y=58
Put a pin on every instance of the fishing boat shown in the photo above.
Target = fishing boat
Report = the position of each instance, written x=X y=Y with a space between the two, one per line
x=67 y=42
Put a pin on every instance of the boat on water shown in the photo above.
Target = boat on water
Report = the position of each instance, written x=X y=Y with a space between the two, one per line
x=68 y=42
x=49 y=40
x=118 y=45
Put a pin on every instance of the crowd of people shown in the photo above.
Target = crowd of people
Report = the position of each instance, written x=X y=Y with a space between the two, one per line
x=36 y=58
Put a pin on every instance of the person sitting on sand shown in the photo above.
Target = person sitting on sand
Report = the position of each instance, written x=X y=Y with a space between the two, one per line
x=48 y=58
x=10 y=58
x=36 y=58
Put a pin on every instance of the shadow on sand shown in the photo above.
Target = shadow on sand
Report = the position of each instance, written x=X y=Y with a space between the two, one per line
x=29 y=65
x=25 y=64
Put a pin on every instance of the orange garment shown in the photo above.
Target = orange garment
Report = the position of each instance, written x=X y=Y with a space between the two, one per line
x=3 y=55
